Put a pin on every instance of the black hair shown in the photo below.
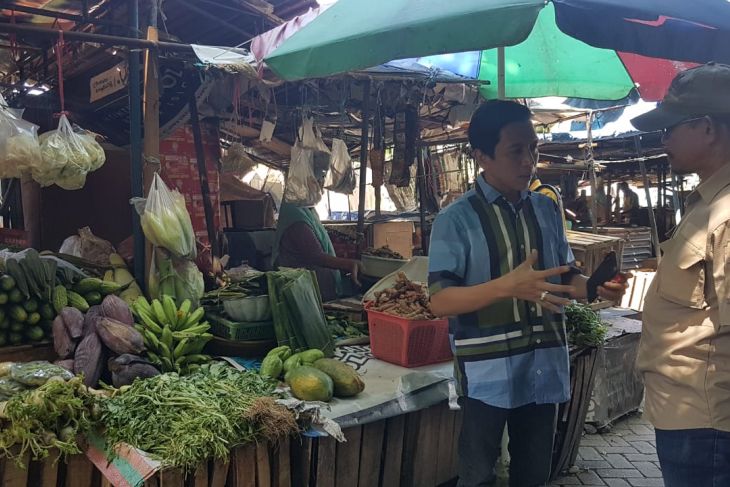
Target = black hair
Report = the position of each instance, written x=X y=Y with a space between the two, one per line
x=488 y=121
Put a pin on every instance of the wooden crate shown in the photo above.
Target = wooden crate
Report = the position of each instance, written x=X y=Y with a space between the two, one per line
x=590 y=249
x=417 y=449
x=78 y=471
x=28 y=353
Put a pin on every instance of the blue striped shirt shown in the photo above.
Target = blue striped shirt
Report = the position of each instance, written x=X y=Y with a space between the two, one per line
x=513 y=352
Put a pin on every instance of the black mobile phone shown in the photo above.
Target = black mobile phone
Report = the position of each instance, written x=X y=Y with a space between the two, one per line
x=603 y=273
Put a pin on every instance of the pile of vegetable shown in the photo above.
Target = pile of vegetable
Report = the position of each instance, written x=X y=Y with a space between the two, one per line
x=406 y=299
x=174 y=337
x=311 y=376
x=48 y=417
x=584 y=326
x=104 y=337
x=342 y=327
x=384 y=253
x=182 y=421
x=296 y=305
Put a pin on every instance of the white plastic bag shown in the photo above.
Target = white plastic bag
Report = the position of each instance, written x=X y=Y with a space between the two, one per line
x=341 y=178
x=312 y=139
x=19 y=147
x=302 y=187
x=166 y=221
x=67 y=157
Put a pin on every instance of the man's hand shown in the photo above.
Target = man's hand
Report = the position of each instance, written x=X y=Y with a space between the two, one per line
x=530 y=285
x=615 y=289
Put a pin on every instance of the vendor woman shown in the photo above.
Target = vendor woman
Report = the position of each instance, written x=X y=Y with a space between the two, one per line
x=302 y=241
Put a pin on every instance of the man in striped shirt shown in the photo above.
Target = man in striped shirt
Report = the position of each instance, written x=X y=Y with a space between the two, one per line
x=501 y=268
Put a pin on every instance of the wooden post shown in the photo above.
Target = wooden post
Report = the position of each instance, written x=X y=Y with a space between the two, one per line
x=135 y=145
x=652 y=218
x=365 y=132
x=151 y=108
x=592 y=166
x=202 y=167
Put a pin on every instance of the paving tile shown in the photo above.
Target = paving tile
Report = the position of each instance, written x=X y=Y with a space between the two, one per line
x=617 y=449
x=641 y=429
x=593 y=440
x=618 y=461
x=589 y=453
x=568 y=480
x=618 y=473
x=590 y=478
x=617 y=483
x=593 y=464
x=641 y=457
x=634 y=437
x=648 y=469
x=643 y=447
x=646 y=482
x=615 y=440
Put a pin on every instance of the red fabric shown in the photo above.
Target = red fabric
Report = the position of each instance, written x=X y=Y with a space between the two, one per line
x=652 y=74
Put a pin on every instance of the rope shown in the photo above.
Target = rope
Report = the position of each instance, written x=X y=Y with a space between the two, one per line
x=59 y=61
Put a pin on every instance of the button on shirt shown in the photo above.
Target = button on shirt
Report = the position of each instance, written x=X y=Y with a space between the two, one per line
x=513 y=352
x=685 y=343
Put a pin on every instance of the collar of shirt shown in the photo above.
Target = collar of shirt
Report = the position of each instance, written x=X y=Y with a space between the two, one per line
x=492 y=194
x=709 y=188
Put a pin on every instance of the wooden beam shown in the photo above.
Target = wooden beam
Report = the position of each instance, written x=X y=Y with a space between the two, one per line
x=276 y=146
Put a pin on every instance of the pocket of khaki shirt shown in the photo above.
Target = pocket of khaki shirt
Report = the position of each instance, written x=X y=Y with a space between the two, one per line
x=681 y=275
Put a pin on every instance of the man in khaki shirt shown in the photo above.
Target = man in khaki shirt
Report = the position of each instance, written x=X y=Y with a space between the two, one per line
x=685 y=344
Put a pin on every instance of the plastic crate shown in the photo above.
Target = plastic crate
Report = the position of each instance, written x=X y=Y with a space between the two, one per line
x=408 y=343
x=231 y=330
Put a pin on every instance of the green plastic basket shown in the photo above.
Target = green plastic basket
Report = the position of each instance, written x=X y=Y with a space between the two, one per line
x=231 y=330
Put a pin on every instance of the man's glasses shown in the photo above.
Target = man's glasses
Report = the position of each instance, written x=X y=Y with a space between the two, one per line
x=666 y=132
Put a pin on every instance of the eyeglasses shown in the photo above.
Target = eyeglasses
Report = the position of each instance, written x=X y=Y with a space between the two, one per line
x=666 y=132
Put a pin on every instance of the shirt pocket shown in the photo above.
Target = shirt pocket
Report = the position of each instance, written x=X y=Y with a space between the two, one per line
x=681 y=276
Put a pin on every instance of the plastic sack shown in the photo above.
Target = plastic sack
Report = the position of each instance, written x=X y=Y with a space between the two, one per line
x=178 y=278
x=237 y=160
x=341 y=178
x=67 y=157
x=166 y=221
x=19 y=146
x=37 y=373
x=302 y=187
x=312 y=139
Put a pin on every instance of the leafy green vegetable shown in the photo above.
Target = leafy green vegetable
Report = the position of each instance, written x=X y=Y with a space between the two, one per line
x=584 y=326
x=49 y=417
x=182 y=421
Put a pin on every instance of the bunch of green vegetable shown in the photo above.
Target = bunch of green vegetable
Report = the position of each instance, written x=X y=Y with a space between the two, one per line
x=49 y=417
x=584 y=326
x=182 y=421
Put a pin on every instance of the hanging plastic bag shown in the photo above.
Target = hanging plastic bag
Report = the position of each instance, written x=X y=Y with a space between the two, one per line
x=302 y=187
x=341 y=178
x=166 y=221
x=237 y=160
x=67 y=157
x=19 y=146
x=312 y=139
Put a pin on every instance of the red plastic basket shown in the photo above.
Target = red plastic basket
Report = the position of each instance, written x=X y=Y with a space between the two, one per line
x=408 y=343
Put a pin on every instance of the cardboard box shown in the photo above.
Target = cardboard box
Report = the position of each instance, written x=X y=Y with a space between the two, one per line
x=397 y=235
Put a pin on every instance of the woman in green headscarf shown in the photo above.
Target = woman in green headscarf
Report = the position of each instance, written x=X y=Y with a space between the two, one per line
x=302 y=241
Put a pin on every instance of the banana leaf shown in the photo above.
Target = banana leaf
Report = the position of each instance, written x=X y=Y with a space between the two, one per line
x=299 y=320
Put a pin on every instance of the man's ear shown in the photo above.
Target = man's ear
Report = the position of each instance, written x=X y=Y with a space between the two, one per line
x=481 y=158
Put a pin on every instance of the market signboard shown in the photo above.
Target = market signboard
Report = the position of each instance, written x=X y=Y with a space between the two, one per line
x=108 y=82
